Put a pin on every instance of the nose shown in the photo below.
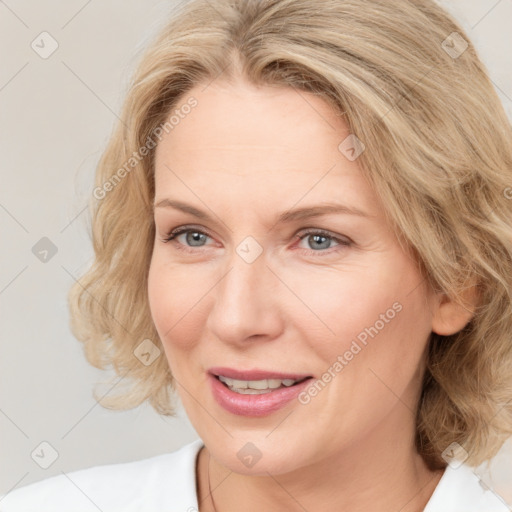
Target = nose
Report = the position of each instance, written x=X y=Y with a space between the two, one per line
x=246 y=303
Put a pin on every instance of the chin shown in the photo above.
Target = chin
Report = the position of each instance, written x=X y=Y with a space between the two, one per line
x=255 y=458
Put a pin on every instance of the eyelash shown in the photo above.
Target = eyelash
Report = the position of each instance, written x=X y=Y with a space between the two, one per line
x=319 y=253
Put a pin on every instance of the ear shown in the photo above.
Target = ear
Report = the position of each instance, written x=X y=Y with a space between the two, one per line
x=451 y=316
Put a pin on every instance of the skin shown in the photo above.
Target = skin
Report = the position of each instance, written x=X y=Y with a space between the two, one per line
x=244 y=155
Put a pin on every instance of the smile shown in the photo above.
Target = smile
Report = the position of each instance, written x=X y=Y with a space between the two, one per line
x=256 y=387
x=255 y=397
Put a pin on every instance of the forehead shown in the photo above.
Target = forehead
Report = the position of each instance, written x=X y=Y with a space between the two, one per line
x=278 y=139
x=240 y=117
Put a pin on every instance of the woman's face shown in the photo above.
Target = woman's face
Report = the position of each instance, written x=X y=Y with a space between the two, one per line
x=271 y=277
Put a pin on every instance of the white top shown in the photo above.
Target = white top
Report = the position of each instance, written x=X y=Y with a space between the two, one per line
x=167 y=483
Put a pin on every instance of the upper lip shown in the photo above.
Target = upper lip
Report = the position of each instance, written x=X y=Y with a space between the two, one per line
x=255 y=374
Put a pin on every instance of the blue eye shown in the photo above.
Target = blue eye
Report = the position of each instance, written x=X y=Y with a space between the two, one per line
x=194 y=237
x=318 y=239
x=321 y=241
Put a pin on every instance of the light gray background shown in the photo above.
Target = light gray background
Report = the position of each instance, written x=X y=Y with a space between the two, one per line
x=56 y=116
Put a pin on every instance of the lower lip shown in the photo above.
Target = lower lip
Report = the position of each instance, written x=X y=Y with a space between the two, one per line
x=254 y=405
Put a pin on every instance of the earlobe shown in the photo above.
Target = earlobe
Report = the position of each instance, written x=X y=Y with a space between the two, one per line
x=451 y=316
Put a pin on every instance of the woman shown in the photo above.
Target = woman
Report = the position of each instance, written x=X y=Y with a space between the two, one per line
x=303 y=226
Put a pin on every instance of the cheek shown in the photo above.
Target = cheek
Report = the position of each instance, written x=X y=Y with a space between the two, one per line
x=379 y=305
x=177 y=298
x=381 y=325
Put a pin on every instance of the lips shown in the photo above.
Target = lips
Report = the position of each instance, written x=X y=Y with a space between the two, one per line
x=255 y=404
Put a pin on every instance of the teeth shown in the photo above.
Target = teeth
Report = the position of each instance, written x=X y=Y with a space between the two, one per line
x=250 y=391
x=253 y=387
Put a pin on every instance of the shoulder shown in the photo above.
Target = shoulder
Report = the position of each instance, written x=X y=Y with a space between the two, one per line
x=162 y=482
x=460 y=488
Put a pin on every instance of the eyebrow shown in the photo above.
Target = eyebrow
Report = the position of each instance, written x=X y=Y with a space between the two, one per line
x=287 y=216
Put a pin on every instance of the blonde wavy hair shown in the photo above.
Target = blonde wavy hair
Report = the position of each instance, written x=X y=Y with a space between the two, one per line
x=438 y=153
